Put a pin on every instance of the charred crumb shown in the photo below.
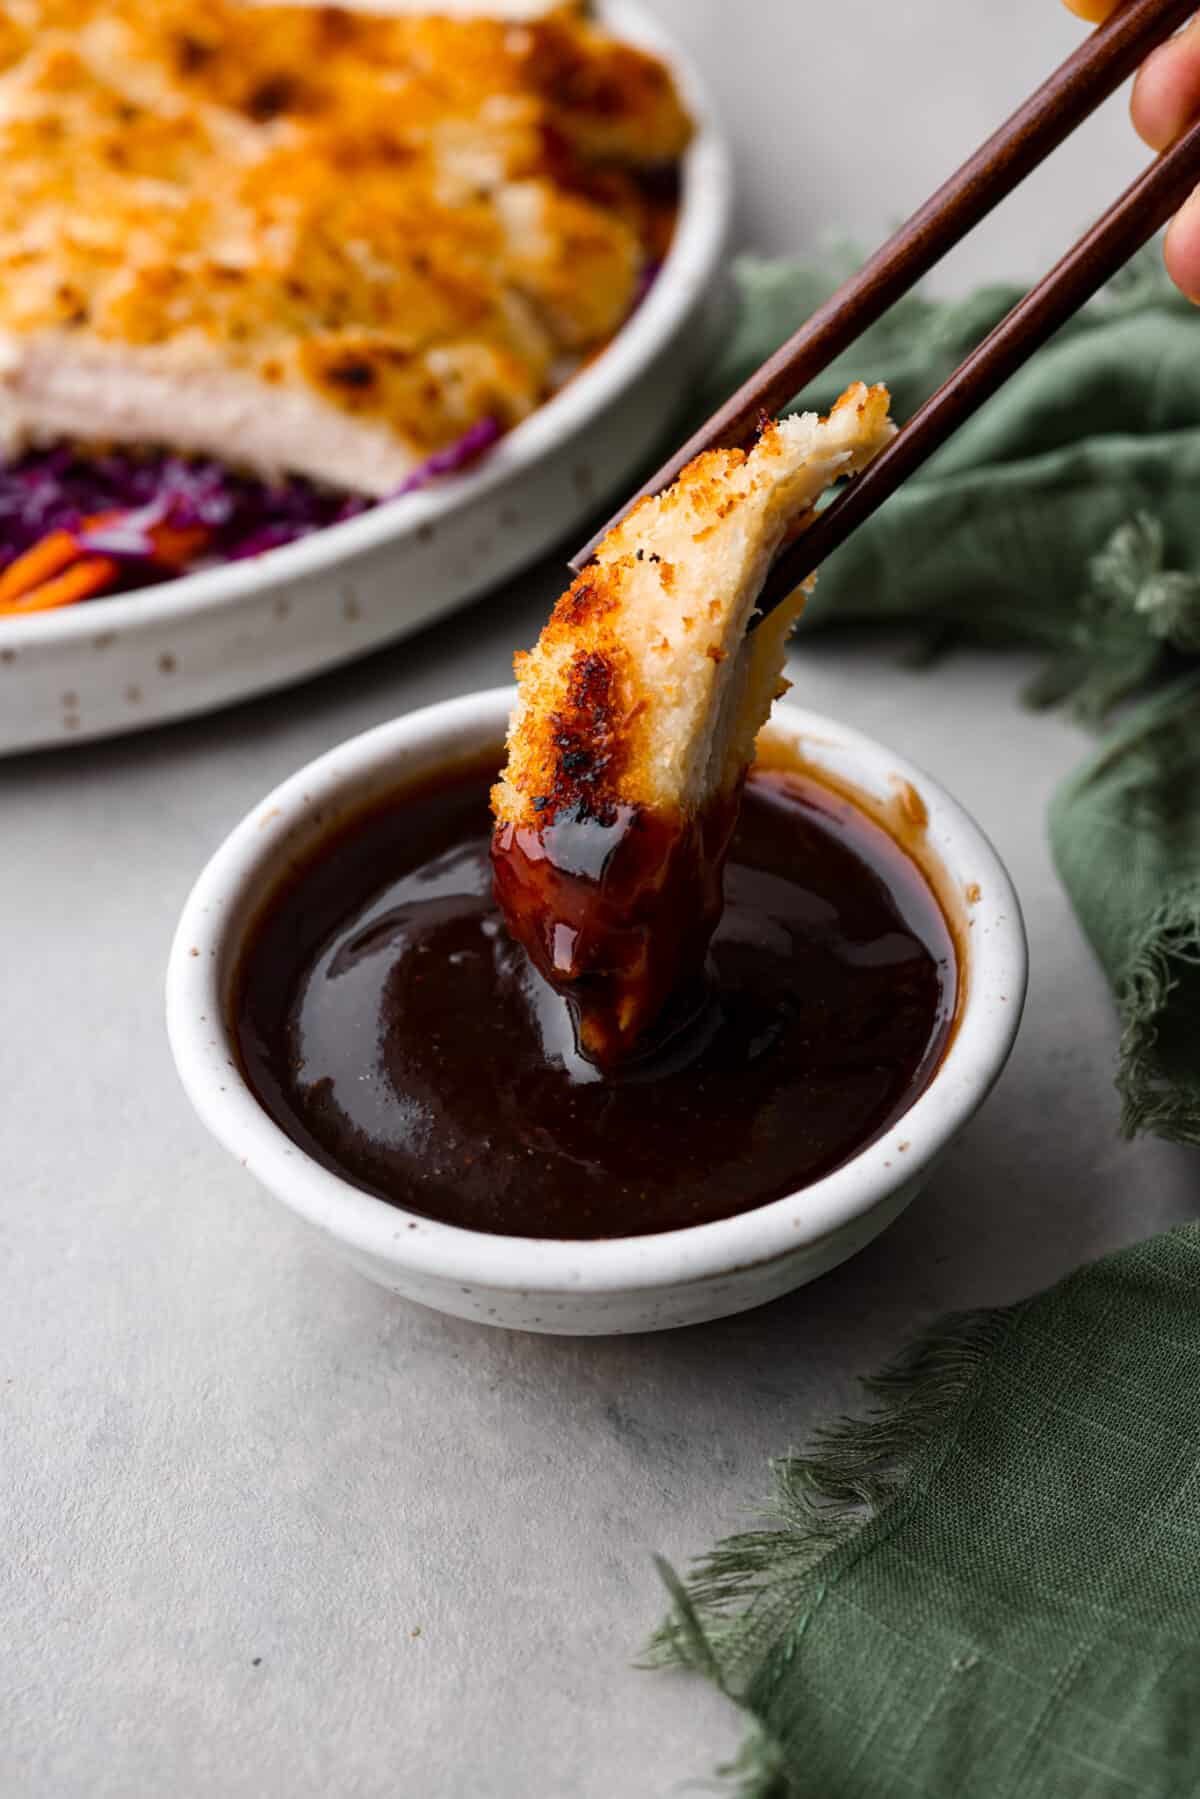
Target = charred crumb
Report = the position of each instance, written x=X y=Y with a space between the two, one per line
x=391 y=151
x=590 y=688
x=74 y=307
x=275 y=95
x=355 y=374
x=584 y=599
x=337 y=25
x=192 y=54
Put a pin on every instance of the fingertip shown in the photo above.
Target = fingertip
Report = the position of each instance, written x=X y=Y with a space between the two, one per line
x=1152 y=104
x=1166 y=93
x=1182 y=249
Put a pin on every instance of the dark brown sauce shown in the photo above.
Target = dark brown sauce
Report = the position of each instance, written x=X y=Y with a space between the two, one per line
x=392 y=1028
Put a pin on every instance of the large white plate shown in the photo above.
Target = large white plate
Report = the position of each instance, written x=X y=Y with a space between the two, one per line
x=137 y=659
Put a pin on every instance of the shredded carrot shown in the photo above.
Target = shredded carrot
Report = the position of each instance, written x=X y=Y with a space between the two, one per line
x=47 y=558
x=177 y=544
x=59 y=571
x=83 y=581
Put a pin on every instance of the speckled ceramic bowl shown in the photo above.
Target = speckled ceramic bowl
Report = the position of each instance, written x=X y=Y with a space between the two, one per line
x=619 y=1284
x=134 y=660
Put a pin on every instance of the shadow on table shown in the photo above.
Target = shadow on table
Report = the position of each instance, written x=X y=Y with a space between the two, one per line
x=1011 y=1209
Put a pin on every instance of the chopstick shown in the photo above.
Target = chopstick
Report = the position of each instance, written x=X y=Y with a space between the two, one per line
x=1142 y=209
x=1093 y=72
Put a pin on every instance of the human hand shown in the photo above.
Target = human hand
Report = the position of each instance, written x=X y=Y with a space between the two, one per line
x=1166 y=99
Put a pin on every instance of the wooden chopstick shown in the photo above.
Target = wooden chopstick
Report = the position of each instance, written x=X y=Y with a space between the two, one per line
x=1093 y=72
x=1142 y=209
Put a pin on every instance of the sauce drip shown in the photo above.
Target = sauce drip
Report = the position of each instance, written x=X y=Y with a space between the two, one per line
x=616 y=913
x=392 y=1027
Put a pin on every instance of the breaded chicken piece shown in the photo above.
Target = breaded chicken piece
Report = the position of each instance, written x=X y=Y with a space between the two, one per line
x=636 y=719
x=310 y=240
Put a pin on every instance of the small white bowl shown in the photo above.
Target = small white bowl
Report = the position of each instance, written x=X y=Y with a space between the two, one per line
x=617 y=1284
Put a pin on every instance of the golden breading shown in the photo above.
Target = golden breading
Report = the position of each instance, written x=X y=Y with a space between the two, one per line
x=343 y=238
x=636 y=719
x=644 y=690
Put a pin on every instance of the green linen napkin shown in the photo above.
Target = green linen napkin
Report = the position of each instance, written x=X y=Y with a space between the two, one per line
x=1125 y=831
x=1066 y=513
x=990 y=1589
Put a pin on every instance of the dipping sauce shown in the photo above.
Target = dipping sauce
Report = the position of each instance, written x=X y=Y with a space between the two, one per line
x=390 y=1026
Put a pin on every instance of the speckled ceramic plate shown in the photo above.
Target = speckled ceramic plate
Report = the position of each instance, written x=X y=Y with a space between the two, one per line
x=190 y=645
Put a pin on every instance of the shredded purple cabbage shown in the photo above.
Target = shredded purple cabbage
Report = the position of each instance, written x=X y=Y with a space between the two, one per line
x=479 y=438
x=649 y=275
x=60 y=488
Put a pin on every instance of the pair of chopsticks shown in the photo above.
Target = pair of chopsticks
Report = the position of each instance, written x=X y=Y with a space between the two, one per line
x=1046 y=119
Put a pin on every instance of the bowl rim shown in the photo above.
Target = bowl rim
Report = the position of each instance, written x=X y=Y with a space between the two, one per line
x=409 y=1241
x=704 y=211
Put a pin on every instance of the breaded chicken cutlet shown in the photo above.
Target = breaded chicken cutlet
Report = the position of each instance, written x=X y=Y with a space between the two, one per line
x=308 y=240
x=636 y=719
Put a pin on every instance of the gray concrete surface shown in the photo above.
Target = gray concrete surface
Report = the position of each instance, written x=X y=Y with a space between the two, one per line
x=269 y=1532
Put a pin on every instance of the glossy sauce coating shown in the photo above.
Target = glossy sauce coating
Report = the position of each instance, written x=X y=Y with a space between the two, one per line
x=393 y=1029
x=616 y=914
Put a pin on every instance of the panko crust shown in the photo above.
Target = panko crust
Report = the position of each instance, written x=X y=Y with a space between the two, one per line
x=575 y=690
x=658 y=625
